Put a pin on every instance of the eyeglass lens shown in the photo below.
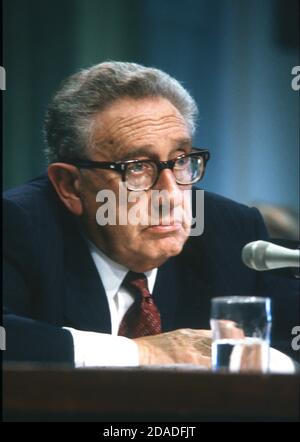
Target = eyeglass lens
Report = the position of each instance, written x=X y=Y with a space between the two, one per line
x=142 y=175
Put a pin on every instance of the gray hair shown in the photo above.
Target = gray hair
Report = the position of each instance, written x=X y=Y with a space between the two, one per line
x=69 y=118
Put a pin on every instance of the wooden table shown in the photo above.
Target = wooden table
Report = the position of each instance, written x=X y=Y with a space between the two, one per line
x=180 y=393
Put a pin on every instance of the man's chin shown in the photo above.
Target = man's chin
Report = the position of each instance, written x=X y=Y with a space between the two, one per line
x=167 y=247
x=152 y=262
x=152 y=255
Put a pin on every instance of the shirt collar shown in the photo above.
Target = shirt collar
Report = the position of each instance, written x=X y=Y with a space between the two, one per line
x=112 y=273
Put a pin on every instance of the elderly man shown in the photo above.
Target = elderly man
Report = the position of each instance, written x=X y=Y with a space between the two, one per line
x=85 y=291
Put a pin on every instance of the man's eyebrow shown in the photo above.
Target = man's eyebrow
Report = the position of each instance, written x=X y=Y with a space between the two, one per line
x=150 y=151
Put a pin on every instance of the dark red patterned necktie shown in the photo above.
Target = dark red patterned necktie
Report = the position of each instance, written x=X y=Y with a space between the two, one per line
x=143 y=317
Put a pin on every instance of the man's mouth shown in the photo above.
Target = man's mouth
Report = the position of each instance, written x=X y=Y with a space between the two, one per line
x=165 y=228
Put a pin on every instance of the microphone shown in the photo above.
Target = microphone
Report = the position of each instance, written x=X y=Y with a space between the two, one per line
x=263 y=255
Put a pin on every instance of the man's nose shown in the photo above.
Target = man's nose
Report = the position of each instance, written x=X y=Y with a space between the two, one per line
x=167 y=183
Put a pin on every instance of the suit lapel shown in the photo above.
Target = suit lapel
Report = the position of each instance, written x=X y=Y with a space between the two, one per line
x=165 y=294
x=195 y=286
x=85 y=304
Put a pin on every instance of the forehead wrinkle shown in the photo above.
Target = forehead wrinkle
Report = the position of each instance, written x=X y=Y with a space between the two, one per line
x=128 y=133
x=126 y=123
x=135 y=127
x=140 y=132
x=135 y=123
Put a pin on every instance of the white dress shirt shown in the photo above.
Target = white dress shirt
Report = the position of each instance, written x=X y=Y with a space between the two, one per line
x=114 y=350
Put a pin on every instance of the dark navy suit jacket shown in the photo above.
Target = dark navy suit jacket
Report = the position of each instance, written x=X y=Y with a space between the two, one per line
x=50 y=279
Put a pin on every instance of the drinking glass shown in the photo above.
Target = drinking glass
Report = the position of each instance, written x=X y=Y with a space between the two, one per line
x=241 y=327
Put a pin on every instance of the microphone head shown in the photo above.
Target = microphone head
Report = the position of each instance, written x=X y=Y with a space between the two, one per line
x=263 y=255
x=254 y=254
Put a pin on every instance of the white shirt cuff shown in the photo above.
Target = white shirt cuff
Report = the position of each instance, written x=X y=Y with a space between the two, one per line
x=93 y=349
x=281 y=363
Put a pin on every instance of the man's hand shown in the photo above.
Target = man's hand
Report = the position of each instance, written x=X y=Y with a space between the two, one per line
x=185 y=346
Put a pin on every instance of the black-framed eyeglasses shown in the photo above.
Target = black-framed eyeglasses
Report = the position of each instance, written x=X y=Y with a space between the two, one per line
x=141 y=175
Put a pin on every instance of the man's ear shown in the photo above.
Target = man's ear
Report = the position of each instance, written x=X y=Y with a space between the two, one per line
x=66 y=181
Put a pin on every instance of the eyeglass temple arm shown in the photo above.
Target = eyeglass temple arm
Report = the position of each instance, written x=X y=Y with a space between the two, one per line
x=99 y=165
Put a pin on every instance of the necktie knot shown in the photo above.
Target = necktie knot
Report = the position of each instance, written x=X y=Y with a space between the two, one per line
x=137 y=282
